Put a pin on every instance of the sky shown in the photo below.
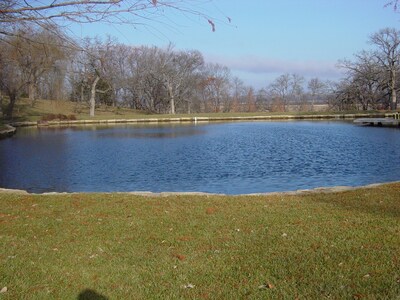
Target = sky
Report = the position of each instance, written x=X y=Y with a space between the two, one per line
x=265 y=38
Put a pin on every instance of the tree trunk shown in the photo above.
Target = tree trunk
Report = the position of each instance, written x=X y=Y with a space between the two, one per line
x=312 y=102
x=93 y=96
x=10 y=108
x=394 y=100
x=1 y=104
x=284 y=102
x=393 y=104
x=32 y=93
x=172 y=99
x=82 y=93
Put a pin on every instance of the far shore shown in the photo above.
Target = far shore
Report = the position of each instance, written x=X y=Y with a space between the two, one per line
x=195 y=119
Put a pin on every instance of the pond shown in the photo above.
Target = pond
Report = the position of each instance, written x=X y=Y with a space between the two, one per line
x=229 y=158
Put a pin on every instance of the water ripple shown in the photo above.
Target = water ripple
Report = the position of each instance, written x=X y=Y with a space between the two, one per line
x=231 y=158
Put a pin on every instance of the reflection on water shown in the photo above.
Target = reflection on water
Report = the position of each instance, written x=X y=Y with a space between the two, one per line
x=232 y=158
x=163 y=133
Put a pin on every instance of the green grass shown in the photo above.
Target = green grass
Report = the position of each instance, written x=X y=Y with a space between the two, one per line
x=340 y=246
x=25 y=112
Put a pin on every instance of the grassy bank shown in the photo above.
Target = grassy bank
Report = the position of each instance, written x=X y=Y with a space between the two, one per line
x=338 y=245
x=25 y=112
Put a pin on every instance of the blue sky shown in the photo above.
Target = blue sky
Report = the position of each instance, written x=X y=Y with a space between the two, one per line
x=266 y=38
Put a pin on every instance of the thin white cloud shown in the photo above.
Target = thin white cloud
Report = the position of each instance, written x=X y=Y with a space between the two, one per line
x=266 y=66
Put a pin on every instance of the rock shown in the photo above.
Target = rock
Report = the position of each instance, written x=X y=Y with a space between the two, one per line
x=11 y=191
x=7 y=131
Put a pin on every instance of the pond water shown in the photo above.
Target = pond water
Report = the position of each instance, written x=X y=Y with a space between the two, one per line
x=230 y=158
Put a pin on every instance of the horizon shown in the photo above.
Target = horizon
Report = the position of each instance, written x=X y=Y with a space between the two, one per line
x=264 y=39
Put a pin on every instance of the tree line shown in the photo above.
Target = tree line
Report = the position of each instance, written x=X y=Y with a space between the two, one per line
x=39 y=60
x=43 y=63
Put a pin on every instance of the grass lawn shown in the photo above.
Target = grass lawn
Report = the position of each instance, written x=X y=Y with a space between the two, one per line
x=339 y=245
x=25 y=112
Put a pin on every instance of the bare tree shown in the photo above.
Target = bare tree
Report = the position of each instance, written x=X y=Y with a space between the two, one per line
x=280 y=89
x=52 y=85
x=250 y=100
x=238 y=93
x=316 y=88
x=286 y=88
x=118 y=72
x=96 y=63
x=262 y=100
x=344 y=98
x=143 y=87
x=185 y=69
x=159 y=80
x=365 y=80
x=12 y=80
x=24 y=63
x=37 y=55
x=175 y=69
x=296 y=87
x=388 y=43
x=215 y=87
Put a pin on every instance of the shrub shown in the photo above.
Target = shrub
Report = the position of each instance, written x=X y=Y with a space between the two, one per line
x=61 y=117
x=49 y=117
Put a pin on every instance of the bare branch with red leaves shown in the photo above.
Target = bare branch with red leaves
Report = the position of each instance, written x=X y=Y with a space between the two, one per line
x=394 y=4
x=14 y=12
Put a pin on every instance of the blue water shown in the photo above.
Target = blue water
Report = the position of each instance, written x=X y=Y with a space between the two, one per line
x=230 y=158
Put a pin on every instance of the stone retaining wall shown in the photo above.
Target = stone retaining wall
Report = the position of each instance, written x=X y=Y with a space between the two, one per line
x=9 y=131
x=205 y=119
x=320 y=190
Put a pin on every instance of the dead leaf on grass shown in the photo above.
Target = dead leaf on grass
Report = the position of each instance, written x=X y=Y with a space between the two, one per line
x=210 y=210
x=179 y=256
x=185 y=238
x=266 y=286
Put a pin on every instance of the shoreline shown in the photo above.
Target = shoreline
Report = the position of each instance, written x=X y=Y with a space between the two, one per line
x=317 y=190
x=8 y=132
x=195 y=119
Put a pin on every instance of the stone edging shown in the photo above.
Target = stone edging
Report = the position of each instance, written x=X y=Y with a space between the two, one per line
x=9 y=131
x=322 y=190
x=204 y=119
